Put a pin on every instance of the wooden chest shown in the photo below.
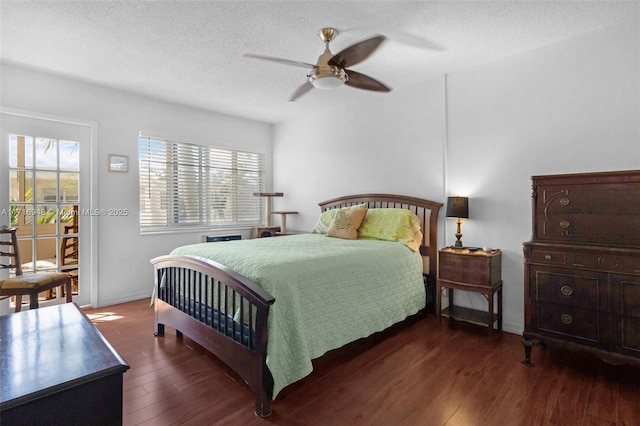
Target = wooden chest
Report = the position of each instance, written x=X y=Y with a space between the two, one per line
x=582 y=265
x=56 y=368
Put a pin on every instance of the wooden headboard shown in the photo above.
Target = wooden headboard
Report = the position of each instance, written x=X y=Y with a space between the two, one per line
x=426 y=210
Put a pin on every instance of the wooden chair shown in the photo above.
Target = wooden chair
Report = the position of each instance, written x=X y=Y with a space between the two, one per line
x=69 y=250
x=30 y=284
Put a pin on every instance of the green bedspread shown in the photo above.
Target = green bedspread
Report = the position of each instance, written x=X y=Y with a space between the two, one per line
x=328 y=291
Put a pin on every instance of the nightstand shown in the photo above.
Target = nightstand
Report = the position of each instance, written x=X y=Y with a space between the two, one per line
x=470 y=270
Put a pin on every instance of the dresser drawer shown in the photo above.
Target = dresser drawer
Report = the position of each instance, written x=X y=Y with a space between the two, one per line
x=571 y=288
x=613 y=260
x=549 y=257
x=588 y=211
x=618 y=230
x=607 y=262
x=625 y=295
x=569 y=321
x=615 y=198
x=627 y=335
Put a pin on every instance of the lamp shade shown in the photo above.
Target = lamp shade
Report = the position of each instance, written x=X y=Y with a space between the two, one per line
x=458 y=207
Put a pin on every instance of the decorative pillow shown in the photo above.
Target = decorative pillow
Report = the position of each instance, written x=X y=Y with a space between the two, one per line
x=392 y=225
x=325 y=219
x=346 y=222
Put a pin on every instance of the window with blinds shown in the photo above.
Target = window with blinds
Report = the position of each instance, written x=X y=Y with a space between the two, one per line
x=185 y=185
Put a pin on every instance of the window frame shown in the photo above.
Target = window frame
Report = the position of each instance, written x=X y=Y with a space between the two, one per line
x=246 y=209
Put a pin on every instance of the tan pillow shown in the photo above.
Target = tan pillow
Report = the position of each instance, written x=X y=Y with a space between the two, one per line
x=346 y=222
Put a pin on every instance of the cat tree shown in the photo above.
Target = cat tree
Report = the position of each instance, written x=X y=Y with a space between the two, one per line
x=268 y=230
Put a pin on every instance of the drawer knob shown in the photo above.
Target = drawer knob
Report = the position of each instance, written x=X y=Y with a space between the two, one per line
x=566 y=319
x=564 y=224
x=547 y=257
x=566 y=290
x=564 y=201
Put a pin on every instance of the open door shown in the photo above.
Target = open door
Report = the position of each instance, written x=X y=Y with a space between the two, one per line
x=43 y=186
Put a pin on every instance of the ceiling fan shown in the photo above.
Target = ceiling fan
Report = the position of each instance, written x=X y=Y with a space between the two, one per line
x=331 y=71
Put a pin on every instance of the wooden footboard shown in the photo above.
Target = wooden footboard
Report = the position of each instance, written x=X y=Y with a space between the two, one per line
x=220 y=310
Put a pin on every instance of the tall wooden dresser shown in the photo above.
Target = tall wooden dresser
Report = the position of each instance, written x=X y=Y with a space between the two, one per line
x=582 y=265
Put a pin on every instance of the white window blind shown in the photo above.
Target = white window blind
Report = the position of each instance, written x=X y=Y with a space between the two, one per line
x=185 y=185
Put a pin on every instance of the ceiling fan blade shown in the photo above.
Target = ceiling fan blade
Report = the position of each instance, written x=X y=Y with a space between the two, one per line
x=301 y=91
x=357 y=52
x=361 y=81
x=280 y=60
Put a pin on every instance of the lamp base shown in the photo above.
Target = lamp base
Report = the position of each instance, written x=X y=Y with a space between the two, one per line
x=458 y=243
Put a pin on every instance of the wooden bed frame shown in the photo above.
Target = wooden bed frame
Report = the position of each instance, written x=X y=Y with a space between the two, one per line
x=184 y=283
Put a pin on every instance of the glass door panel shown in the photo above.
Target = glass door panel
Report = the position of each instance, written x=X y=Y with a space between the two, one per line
x=44 y=196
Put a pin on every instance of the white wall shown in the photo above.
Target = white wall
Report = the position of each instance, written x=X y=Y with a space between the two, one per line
x=568 y=107
x=393 y=143
x=124 y=271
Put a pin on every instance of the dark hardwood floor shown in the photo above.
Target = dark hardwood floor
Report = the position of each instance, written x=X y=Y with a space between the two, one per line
x=414 y=374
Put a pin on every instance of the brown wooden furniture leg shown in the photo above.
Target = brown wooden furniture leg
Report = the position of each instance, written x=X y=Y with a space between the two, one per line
x=490 y=313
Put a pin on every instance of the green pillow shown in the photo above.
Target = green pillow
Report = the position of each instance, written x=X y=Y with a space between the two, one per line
x=392 y=225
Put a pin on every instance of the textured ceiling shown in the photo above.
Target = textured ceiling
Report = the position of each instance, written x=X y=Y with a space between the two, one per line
x=191 y=52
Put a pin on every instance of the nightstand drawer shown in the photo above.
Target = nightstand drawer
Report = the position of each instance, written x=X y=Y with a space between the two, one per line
x=465 y=276
x=472 y=263
x=476 y=268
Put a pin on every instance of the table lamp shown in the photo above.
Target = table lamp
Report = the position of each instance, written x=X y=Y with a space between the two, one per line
x=458 y=207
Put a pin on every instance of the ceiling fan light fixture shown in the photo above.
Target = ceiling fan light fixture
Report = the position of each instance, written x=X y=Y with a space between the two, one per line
x=326 y=83
x=332 y=71
x=327 y=78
